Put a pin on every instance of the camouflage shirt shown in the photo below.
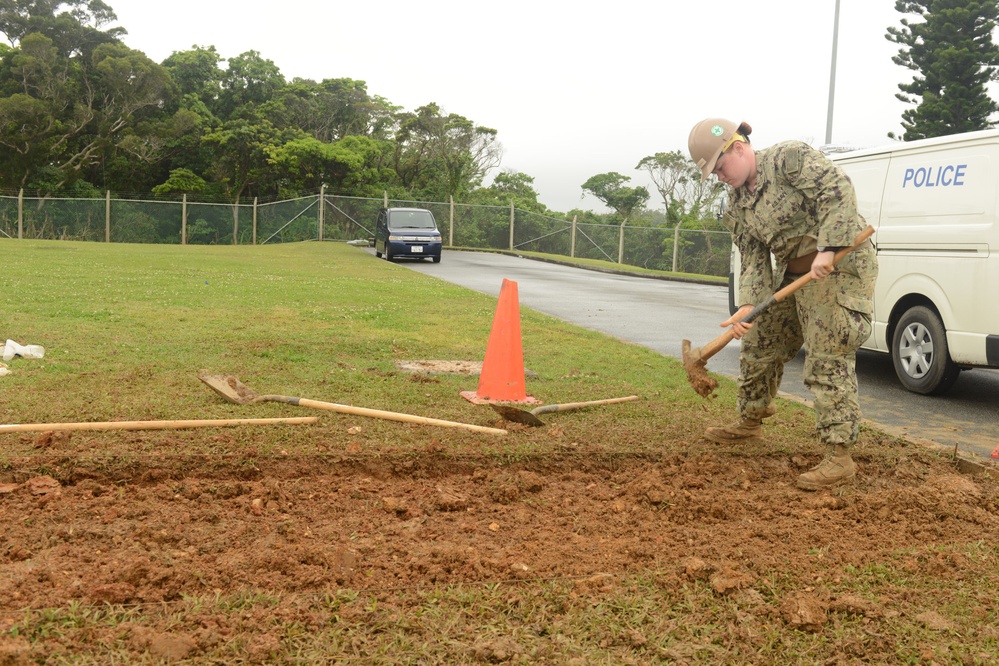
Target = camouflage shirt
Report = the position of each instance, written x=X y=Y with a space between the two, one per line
x=801 y=199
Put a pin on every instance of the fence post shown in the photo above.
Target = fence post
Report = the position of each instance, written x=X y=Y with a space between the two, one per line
x=620 y=243
x=511 y=225
x=183 y=220
x=254 y=220
x=20 y=214
x=384 y=198
x=107 y=217
x=676 y=244
x=450 y=226
x=572 y=241
x=235 y=221
x=322 y=208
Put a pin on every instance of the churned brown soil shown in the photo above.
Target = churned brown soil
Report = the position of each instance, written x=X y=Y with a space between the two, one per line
x=143 y=518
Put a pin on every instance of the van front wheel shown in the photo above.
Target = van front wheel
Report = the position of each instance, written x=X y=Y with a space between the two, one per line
x=920 y=353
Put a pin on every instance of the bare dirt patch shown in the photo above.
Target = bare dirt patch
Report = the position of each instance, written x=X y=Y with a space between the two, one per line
x=125 y=529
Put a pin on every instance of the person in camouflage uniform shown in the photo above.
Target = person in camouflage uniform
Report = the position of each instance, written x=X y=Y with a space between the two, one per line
x=790 y=209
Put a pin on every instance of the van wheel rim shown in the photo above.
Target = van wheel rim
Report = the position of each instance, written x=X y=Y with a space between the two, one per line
x=916 y=351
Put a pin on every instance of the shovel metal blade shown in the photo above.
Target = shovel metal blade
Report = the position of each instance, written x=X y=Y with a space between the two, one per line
x=230 y=388
x=517 y=415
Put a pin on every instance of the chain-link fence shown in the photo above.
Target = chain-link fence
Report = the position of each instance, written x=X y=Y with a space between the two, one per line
x=337 y=218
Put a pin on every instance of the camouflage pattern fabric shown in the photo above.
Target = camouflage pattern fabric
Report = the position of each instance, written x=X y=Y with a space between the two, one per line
x=800 y=192
x=831 y=318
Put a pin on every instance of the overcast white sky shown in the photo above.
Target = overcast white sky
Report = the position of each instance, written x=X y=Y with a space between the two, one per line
x=574 y=89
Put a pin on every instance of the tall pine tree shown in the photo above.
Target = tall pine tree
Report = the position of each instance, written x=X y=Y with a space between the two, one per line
x=953 y=56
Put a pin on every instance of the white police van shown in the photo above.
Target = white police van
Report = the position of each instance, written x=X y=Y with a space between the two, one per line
x=934 y=204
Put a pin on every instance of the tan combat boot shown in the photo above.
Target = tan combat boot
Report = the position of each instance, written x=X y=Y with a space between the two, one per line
x=836 y=468
x=743 y=430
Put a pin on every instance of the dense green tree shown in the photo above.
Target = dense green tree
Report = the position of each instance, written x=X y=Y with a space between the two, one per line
x=181 y=181
x=69 y=114
x=610 y=188
x=951 y=51
x=196 y=72
x=440 y=156
x=332 y=109
x=74 y=26
x=80 y=111
x=243 y=149
x=249 y=81
x=679 y=183
x=508 y=187
x=351 y=166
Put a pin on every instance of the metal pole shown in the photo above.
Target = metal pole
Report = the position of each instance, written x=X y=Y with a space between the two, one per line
x=322 y=206
x=572 y=241
x=511 y=225
x=107 y=216
x=620 y=243
x=183 y=220
x=20 y=214
x=832 y=77
x=450 y=225
x=676 y=244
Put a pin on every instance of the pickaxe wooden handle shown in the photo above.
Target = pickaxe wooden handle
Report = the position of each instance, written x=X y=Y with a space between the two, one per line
x=716 y=345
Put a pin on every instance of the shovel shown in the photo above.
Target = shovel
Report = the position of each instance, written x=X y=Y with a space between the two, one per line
x=531 y=418
x=235 y=391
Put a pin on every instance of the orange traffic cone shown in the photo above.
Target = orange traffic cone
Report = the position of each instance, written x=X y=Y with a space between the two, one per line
x=502 y=376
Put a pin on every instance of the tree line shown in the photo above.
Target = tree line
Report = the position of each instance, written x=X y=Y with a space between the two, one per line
x=82 y=113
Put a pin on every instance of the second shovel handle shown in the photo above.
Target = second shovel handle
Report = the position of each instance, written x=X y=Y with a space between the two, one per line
x=376 y=413
x=566 y=406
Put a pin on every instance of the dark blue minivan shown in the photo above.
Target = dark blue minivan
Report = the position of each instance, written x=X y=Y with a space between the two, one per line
x=407 y=232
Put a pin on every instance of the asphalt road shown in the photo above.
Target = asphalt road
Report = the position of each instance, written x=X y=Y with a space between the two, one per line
x=659 y=314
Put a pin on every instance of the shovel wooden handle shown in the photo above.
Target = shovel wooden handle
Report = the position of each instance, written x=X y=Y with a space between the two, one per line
x=149 y=425
x=566 y=406
x=716 y=345
x=376 y=413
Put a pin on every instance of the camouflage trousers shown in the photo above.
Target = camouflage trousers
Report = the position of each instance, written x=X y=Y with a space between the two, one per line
x=831 y=318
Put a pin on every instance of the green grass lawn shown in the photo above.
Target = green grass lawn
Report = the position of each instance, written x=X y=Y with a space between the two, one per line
x=128 y=328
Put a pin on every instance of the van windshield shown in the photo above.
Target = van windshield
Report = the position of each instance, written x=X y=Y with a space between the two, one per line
x=412 y=219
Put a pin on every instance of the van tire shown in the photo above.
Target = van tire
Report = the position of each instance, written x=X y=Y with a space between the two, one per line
x=437 y=259
x=378 y=255
x=920 y=354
